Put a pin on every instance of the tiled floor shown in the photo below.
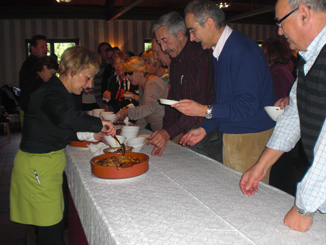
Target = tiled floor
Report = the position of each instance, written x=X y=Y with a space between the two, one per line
x=10 y=232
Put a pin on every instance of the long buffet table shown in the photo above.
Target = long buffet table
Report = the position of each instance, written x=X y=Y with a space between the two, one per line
x=184 y=198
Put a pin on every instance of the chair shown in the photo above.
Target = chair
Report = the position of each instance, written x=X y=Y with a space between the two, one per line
x=6 y=128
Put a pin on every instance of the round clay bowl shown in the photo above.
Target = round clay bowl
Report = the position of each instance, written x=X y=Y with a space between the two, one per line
x=110 y=150
x=120 y=173
x=81 y=143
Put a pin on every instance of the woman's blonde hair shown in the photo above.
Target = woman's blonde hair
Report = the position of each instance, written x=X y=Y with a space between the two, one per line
x=135 y=64
x=76 y=59
x=149 y=55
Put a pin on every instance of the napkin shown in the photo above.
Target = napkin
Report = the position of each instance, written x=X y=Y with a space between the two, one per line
x=97 y=149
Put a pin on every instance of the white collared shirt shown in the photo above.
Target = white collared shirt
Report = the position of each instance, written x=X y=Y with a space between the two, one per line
x=221 y=42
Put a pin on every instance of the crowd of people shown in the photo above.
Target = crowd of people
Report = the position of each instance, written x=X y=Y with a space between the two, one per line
x=222 y=80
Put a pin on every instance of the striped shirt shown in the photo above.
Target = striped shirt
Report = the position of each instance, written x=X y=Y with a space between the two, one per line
x=191 y=77
x=311 y=191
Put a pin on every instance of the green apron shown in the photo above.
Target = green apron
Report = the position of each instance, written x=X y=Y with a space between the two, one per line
x=36 y=196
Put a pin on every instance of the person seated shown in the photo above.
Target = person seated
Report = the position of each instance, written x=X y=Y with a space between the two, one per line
x=119 y=85
x=151 y=87
x=156 y=67
x=277 y=60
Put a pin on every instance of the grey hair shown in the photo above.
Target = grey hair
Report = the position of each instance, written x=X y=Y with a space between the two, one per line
x=174 y=23
x=316 y=5
x=206 y=9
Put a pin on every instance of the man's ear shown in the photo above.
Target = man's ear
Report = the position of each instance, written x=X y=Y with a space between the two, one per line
x=32 y=49
x=305 y=14
x=180 y=35
x=210 y=23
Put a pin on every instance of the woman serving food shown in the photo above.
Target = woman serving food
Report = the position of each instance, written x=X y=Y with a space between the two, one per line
x=51 y=122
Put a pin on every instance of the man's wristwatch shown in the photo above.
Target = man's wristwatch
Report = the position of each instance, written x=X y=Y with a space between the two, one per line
x=209 y=112
x=303 y=212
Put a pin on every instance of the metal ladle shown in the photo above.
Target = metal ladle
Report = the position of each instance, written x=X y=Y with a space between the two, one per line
x=123 y=147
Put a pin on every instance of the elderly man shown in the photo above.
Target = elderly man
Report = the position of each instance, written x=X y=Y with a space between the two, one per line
x=159 y=54
x=304 y=27
x=191 y=77
x=243 y=86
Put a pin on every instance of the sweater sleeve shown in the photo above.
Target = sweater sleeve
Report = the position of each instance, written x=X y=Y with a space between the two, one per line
x=149 y=103
x=55 y=105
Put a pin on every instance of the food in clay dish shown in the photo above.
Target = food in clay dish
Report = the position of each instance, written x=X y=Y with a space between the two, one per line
x=130 y=169
x=117 y=161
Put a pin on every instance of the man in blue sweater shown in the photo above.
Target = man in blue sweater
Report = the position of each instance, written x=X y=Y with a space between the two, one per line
x=243 y=86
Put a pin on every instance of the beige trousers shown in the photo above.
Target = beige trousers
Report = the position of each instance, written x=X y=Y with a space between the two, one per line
x=241 y=151
x=177 y=138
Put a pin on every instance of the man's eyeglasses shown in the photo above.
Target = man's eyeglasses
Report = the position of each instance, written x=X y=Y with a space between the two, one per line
x=129 y=73
x=192 y=30
x=279 y=22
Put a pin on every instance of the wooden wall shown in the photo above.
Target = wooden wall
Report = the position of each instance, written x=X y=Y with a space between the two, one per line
x=127 y=35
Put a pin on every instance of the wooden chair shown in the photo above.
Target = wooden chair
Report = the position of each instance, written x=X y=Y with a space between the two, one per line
x=6 y=128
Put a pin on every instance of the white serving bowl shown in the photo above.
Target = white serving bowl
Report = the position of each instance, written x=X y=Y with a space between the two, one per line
x=97 y=112
x=106 y=113
x=273 y=111
x=112 y=142
x=136 y=141
x=89 y=113
x=137 y=148
x=129 y=136
x=108 y=116
x=130 y=129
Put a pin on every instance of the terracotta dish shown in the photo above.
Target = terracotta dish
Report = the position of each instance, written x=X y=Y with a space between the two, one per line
x=81 y=143
x=120 y=172
x=117 y=149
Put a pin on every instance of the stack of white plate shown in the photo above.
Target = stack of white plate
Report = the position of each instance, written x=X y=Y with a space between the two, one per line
x=129 y=132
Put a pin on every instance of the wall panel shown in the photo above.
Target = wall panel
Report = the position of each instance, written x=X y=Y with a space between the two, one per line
x=127 y=35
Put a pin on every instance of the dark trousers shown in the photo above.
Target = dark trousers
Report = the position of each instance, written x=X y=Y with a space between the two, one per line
x=211 y=146
x=289 y=169
x=50 y=235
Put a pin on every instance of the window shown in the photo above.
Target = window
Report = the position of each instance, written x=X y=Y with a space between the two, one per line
x=147 y=44
x=260 y=43
x=55 y=46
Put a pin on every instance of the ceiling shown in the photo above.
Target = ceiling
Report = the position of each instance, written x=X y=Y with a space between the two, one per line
x=240 y=11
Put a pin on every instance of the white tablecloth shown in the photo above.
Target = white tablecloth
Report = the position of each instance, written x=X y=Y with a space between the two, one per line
x=184 y=198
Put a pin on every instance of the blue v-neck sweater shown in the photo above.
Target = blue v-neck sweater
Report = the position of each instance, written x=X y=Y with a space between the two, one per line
x=243 y=86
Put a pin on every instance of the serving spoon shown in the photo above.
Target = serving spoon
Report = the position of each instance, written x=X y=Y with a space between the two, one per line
x=123 y=147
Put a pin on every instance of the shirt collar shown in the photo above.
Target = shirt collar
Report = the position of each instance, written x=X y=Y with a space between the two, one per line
x=221 y=41
x=314 y=47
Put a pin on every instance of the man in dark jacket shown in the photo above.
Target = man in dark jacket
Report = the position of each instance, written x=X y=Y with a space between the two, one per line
x=27 y=71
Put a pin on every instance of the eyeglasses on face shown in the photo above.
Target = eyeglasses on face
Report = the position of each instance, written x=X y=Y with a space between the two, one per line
x=192 y=30
x=129 y=73
x=279 y=22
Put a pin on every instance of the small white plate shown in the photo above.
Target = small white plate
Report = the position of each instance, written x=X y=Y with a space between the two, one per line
x=168 y=102
x=128 y=95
